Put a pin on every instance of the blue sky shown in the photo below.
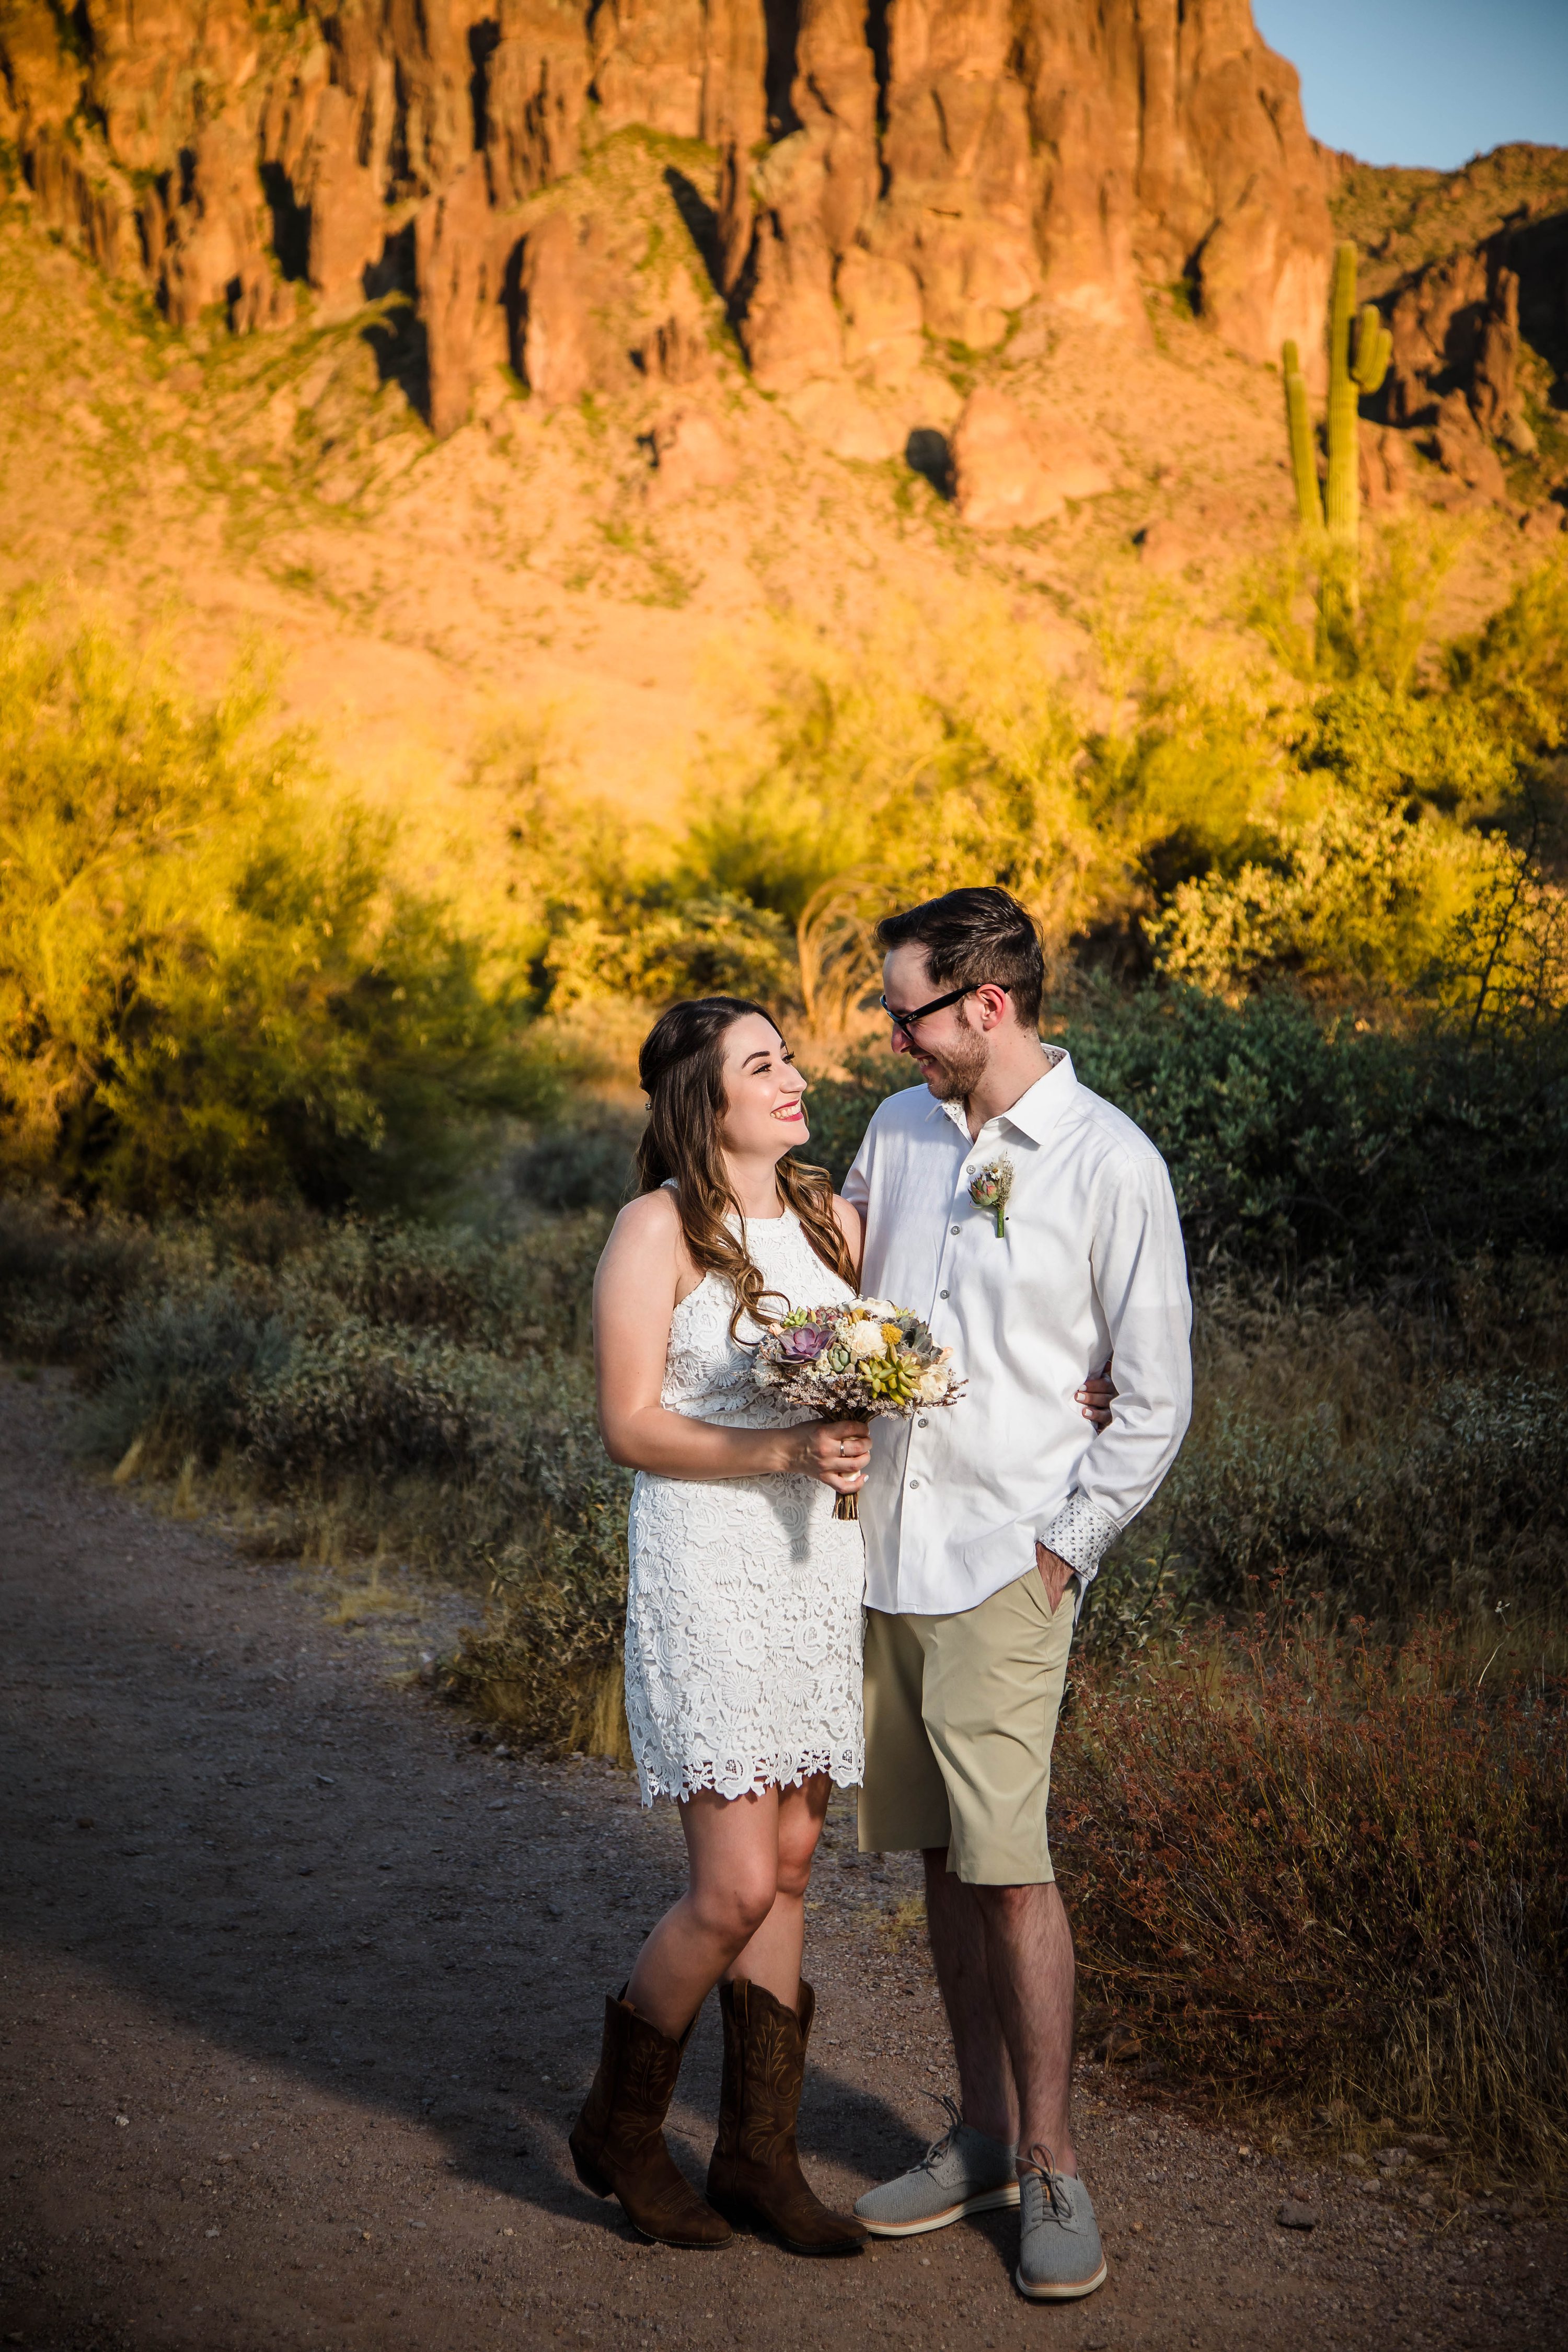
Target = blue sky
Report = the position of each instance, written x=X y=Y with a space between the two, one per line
x=1426 y=81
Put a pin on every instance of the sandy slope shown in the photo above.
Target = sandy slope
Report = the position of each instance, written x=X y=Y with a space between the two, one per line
x=279 y=488
x=296 y=1992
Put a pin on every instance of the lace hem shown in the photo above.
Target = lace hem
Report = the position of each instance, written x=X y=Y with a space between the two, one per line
x=846 y=1766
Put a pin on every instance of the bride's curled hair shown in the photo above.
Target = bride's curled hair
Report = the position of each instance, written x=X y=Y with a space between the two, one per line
x=681 y=1069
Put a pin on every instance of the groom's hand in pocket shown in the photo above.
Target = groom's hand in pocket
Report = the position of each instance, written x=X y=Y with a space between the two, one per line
x=1056 y=1575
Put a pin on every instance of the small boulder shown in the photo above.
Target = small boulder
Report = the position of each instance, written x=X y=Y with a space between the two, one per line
x=1011 y=471
x=1163 y=545
x=1296 y=2214
x=689 y=454
x=836 y=417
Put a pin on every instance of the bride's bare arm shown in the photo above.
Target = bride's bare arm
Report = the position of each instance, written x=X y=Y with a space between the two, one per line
x=641 y=1276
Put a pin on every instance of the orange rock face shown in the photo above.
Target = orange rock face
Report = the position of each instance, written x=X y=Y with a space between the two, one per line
x=922 y=167
x=557 y=352
x=1010 y=471
x=1074 y=148
x=690 y=453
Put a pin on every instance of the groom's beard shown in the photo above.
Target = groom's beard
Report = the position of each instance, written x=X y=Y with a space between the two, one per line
x=954 y=1072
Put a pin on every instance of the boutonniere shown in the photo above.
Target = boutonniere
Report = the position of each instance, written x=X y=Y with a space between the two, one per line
x=991 y=1187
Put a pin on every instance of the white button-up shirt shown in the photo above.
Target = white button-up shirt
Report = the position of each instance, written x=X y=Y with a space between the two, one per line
x=1091 y=1265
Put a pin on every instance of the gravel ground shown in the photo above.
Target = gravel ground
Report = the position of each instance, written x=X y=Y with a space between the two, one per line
x=298 y=1992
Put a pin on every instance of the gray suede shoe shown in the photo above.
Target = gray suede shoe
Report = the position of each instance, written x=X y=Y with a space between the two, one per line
x=1059 y=2255
x=962 y=2172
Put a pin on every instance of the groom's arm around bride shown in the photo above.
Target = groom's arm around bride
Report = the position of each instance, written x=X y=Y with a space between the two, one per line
x=1034 y=1225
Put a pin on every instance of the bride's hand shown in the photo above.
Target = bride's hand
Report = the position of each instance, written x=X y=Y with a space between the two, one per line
x=836 y=1452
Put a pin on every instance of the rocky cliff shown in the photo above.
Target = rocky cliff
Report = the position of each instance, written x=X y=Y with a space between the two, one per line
x=1470 y=269
x=904 y=169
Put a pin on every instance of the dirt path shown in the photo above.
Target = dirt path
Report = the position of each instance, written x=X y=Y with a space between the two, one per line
x=297 y=1993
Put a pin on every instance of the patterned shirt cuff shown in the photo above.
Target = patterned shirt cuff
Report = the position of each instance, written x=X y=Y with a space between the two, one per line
x=1081 y=1534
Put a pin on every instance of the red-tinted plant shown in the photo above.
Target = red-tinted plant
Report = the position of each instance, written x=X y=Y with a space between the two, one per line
x=1322 y=1873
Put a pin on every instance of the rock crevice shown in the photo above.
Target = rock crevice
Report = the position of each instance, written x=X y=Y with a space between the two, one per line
x=920 y=168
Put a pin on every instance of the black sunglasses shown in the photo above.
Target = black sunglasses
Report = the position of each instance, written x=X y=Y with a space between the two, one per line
x=906 y=1020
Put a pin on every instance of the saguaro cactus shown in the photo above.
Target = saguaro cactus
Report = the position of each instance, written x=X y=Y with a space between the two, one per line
x=1359 y=348
x=1303 y=450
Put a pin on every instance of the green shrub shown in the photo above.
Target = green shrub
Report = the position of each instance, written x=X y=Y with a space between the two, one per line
x=1295 y=1143
x=587 y=1166
x=211 y=981
x=511 y=1296
x=374 y=1401
x=1292 y=1142
x=526 y=1491
x=1347 y=830
x=1454 y=1502
x=65 y=1277
x=180 y=1373
x=554 y=1638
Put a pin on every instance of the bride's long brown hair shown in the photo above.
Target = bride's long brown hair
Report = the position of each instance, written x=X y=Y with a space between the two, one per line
x=681 y=1068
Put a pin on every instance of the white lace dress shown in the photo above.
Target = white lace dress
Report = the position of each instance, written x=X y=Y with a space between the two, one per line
x=744 y=1622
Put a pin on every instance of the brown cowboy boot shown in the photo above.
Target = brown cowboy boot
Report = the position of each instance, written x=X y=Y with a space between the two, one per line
x=617 y=2141
x=755 y=2174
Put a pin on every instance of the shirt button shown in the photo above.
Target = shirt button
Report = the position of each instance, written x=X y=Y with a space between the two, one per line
x=914 y=1484
x=941 y=1294
x=922 y=1422
x=953 y=1229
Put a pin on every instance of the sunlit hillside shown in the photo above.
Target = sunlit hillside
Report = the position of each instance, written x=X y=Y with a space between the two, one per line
x=539 y=570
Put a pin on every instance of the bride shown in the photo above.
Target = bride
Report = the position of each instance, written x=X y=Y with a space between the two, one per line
x=743 y=1617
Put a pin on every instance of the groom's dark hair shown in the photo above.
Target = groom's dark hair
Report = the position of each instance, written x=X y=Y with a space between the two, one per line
x=970 y=936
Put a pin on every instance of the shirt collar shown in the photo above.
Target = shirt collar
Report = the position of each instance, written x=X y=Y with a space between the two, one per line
x=1037 y=1109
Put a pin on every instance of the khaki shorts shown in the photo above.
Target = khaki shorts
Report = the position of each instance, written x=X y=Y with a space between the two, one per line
x=960 y=1716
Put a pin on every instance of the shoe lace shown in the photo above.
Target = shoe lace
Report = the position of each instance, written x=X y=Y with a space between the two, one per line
x=940 y=2147
x=1043 y=2164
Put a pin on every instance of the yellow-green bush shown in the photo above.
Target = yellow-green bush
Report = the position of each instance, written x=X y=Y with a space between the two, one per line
x=211 y=979
x=1414 y=855
x=1376 y=825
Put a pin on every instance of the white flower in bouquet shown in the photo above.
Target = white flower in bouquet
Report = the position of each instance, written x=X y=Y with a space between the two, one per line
x=866 y=1340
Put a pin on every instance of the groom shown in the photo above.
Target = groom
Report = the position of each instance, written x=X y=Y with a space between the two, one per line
x=978 y=1521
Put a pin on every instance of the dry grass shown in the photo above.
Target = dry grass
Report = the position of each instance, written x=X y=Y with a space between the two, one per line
x=1317 y=1873
x=898 y=1924
x=602 y=1730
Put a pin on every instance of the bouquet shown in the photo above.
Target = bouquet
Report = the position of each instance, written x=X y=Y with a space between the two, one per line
x=851 y=1362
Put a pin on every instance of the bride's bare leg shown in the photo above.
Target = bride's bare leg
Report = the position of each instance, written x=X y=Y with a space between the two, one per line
x=773 y=1956
x=732 y=1853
